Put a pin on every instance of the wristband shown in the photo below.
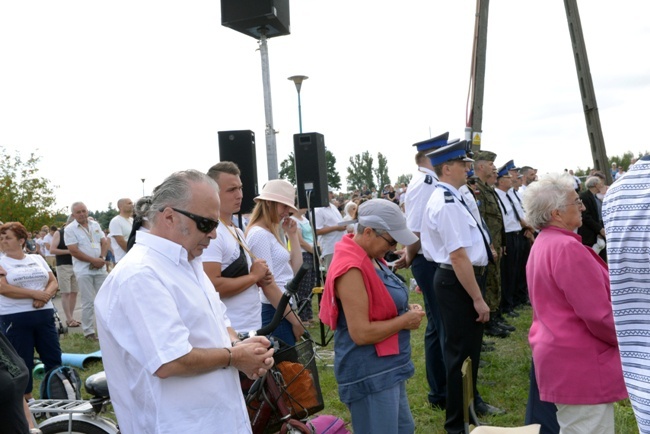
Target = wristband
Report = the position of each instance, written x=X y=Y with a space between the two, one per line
x=229 y=357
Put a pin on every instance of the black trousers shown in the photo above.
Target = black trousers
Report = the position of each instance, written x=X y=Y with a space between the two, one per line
x=463 y=336
x=510 y=271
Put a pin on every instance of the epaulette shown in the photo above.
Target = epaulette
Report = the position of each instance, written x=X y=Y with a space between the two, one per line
x=428 y=180
x=449 y=198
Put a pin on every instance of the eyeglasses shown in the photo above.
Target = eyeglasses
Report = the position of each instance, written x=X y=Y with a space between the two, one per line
x=577 y=202
x=203 y=224
x=391 y=243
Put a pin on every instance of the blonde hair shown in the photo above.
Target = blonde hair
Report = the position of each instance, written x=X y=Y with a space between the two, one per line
x=265 y=214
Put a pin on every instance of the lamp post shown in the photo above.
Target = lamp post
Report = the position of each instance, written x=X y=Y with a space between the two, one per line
x=142 y=186
x=298 y=79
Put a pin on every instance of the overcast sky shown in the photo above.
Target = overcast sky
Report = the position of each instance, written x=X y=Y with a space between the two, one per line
x=108 y=93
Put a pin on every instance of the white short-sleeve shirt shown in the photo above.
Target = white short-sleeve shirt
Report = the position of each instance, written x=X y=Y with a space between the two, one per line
x=416 y=197
x=154 y=307
x=245 y=308
x=265 y=246
x=88 y=241
x=119 y=226
x=31 y=272
x=510 y=221
x=328 y=216
x=448 y=226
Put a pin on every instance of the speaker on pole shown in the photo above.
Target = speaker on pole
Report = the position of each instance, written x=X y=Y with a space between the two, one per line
x=252 y=17
x=239 y=147
x=311 y=169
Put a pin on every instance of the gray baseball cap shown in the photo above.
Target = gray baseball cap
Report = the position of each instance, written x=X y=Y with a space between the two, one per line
x=385 y=215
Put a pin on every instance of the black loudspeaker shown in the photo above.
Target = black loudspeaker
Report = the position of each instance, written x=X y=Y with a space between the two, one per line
x=311 y=169
x=249 y=16
x=239 y=147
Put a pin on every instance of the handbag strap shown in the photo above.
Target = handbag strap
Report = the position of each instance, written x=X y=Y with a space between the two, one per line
x=235 y=235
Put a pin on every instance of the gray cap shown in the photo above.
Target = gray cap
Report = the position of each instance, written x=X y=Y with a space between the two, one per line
x=385 y=215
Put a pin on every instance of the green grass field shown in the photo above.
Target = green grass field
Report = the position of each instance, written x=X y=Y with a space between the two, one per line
x=503 y=382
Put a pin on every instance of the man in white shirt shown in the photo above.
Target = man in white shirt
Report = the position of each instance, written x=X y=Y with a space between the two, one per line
x=329 y=229
x=227 y=260
x=88 y=246
x=164 y=331
x=47 y=246
x=119 y=228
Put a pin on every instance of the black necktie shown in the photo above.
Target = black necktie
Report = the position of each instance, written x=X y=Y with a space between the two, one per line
x=513 y=208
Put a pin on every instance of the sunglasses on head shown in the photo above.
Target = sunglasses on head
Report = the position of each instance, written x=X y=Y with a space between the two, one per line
x=203 y=224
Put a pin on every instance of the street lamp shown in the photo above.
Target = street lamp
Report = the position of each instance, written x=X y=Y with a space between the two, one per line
x=298 y=79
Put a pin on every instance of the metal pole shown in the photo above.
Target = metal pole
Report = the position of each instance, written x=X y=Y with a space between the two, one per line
x=587 y=92
x=299 y=113
x=271 y=150
x=142 y=186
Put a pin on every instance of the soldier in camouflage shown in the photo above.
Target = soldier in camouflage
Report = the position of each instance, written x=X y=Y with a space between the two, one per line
x=488 y=206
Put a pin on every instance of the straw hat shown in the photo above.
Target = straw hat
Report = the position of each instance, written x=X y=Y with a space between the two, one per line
x=278 y=190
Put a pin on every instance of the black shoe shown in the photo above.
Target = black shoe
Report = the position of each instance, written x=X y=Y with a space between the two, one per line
x=484 y=409
x=486 y=348
x=511 y=313
x=496 y=332
x=505 y=326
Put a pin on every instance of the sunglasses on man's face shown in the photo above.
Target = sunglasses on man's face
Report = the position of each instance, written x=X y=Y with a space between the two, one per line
x=203 y=224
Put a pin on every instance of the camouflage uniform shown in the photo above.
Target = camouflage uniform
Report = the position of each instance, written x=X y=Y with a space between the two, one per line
x=488 y=206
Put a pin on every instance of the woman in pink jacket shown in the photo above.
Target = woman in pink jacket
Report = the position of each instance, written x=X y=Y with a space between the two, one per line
x=575 y=352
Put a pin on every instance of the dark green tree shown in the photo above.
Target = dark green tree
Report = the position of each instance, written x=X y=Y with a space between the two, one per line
x=104 y=217
x=360 y=172
x=406 y=179
x=25 y=197
x=381 y=172
x=288 y=170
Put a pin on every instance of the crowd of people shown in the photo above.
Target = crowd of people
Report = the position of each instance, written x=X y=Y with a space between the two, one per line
x=482 y=243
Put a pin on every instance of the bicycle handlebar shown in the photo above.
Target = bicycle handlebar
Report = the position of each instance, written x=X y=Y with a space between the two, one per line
x=291 y=289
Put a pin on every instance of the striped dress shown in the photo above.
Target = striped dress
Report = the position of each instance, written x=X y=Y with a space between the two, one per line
x=626 y=214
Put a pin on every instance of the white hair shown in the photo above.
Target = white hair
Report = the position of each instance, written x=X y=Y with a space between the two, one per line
x=541 y=198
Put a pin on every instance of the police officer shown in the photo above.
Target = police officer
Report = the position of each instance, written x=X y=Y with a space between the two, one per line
x=420 y=189
x=452 y=237
x=511 y=260
x=488 y=206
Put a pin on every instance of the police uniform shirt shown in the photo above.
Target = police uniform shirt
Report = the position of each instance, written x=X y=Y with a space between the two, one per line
x=516 y=199
x=470 y=200
x=448 y=226
x=510 y=221
x=418 y=193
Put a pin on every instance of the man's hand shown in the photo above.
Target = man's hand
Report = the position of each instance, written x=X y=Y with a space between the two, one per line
x=98 y=263
x=403 y=261
x=252 y=356
x=482 y=310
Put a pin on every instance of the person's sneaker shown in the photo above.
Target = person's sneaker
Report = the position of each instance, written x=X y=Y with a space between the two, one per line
x=91 y=337
x=484 y=409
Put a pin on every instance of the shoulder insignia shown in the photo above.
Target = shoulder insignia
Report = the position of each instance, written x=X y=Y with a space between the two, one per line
x=428 y=179
x=449 y=198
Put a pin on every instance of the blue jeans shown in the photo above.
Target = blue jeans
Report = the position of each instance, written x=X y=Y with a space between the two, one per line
x=383 y=412
x=434 y=336
x=284 y=331
x=31 y=330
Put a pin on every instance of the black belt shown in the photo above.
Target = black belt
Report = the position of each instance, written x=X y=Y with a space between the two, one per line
x=478 y=271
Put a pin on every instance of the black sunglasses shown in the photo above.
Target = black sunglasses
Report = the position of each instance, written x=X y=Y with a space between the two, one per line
x=203 y=224
x=392 y=243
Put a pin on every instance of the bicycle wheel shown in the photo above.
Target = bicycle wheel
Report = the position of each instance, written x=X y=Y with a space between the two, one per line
x=78 y=427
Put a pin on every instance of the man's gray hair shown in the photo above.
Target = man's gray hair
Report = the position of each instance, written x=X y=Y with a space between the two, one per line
x=592 y=181
x=176 y=191
x=541 y=198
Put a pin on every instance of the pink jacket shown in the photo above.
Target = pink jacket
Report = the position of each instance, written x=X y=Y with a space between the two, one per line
x=572 y=336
